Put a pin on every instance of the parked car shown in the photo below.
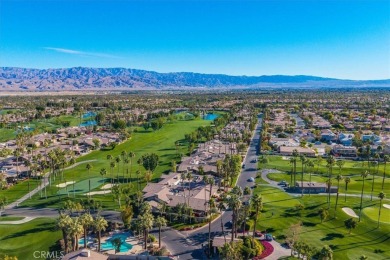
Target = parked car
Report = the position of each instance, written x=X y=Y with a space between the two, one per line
x=229 y=224
x=251 y=179
x=258 y=233
x=282 y=183
x=268 y=237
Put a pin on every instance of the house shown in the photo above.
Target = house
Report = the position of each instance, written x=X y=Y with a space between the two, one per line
x=83 y=254
x=346 y=139
x=288 y=151
x=344 y=151
x=313 y=187
x=328 y=136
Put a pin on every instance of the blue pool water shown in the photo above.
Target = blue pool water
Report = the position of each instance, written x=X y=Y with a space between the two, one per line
x=210 y=116
x=89 y=123
x=89 y=114
x=124 y=246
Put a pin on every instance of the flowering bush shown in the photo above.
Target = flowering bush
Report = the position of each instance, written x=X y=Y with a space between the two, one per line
x=268 y=250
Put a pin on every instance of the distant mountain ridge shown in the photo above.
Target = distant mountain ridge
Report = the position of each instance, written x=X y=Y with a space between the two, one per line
x=83 y=78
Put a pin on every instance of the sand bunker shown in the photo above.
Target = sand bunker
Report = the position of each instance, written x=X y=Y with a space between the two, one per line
x=285 y=158
x=386 y=206
x=107 y=186
x=63 y=185
x=350 y=212
x=98 y=192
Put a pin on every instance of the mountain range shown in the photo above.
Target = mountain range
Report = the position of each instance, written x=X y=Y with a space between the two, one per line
x=83 y=78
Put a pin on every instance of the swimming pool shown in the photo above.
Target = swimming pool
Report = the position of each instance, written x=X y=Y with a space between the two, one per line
x=107 y=245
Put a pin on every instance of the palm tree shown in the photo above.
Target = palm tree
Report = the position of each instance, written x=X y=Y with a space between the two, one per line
x=376 y=156
x=234 y=202
x=160 y=222
x=124 y=158
x=303 y=161
x=221 y=207
x=100 y=225
x=326 y=253
x=103 y=172
x=257 y=203
x=112 y=166
x=347 y=180
x=339 y=177
x=211 y=203
x=126 y=161
x=386 y=159
x=131 y=156
x=310 y=164
x=117 y=160
x=88 y=167
x=86 y=220
x=381 y=196
x=63 y=223
x=364 y=175
x=293 y=162
x=146 y=222
x=75 y=229
x=330 y=163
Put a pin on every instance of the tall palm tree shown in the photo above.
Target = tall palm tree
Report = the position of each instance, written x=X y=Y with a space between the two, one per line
x=295 y=155
x=234 y=202
x=146 y=221
x=381 y=196
x=112 y=166
x=257 y=203
x=364 y=175
x=386 y=159
x=117 y=160
x=124 y=158
x=86 y=220
x=330 y=163
x=126 y=161
x=303 y=162
x=160 y=222
x=293 y=162
x=63 y=223
x=75 y=229
x=310 y=165
x=211 y=203
x=377 y=157
x=88 y=167
x=221 y=207
x=347 y=180
x=103 y=172
x=131 y=156
x=100 y=225
x=339 y=177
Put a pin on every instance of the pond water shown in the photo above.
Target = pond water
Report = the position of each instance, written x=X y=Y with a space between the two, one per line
x=210 y=116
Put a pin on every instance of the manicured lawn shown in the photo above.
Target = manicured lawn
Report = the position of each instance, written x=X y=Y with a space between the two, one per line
x=354 y=187
x=10 y=218
x=350 y=167
x=161 y=142
x=279 y=213
x=7 y=134
x=20 y=189
x=24 y=239
x=372 y=213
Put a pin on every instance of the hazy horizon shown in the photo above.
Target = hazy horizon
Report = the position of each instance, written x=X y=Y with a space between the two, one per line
x=331 y=39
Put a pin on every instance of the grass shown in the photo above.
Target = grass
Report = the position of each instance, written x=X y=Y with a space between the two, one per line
x=372 y=213
x=354 y=187
x=24 y=239
x=349 y=168
x=161 y=142
x=279 y=213
x=7 y=134
x=18 y=190
x=82 y=186
x=10 y=218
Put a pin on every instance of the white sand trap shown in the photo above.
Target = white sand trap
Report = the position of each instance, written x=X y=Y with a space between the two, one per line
x=63 y=185
x=386 y=206
x=98 y=192
x=107 y=186
x=350 y=212
x=285 y=158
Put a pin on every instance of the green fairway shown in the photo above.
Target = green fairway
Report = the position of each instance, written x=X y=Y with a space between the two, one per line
x=372 y=213
x=282 y=163
x=24 y=239
x=279 y=212
x=82 y=186
x=161 y=142
x=7 y=134
x=10 y=218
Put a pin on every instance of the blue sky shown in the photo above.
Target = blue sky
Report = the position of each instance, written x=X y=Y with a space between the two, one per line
x=342 y=39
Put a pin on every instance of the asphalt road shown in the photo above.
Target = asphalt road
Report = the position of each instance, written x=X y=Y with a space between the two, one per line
x=188 y=245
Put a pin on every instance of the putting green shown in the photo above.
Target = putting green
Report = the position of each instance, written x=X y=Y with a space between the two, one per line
x=372 y=213
x=82 y=186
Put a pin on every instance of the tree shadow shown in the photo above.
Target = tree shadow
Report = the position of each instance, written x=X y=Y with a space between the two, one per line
x=331 y=236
